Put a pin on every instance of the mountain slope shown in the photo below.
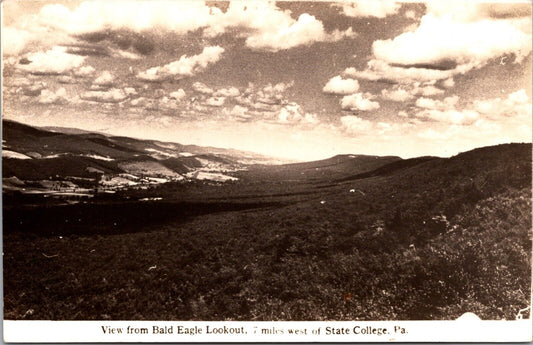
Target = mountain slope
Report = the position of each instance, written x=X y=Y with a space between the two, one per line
x=36 y=154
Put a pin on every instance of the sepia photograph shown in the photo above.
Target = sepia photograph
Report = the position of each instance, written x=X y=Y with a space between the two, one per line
x=228 y=161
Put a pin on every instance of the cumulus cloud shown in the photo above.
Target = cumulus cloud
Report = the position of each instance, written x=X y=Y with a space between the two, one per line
x=167 y=103
x=359 y=101
x=264 y=101
x=460 y=43
x=53 y=61
x=184 y=67
x=474 y=10
x=93 y=16
x=445 y=111
x=113 y=95
x=446 y=103
x=480 y=129
x=130 y=91
x=410 y=14
x=263 y=24
x=293 y=113
x=228 y=92
x=105 y=79
x=84 y=71
x=272 y=94
x=337 y=85
x=397 y=94
x=517 y=104
x=402 y=93
x=448 y=83
x=177 y=95
x=355 y=125
x=14 y=40
x=28 y=88
x=66 y=79
x=238 y=113
x=215 y=101
x=453 y=116
x=515 y=110
x=381 y=70
x=452 y=38
x=378 y=9
x=51 y=97
x=139 y=102
x=306 y=30
x=202 y=88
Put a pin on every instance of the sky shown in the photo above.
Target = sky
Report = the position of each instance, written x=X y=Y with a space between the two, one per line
x=296 y=80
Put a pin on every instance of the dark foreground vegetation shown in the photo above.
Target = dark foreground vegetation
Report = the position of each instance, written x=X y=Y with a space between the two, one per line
x=428 y=239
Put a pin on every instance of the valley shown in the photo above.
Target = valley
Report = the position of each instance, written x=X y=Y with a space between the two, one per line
x=119 y=229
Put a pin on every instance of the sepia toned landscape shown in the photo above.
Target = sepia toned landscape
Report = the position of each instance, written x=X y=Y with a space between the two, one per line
x=352 y=237
x=267 y=161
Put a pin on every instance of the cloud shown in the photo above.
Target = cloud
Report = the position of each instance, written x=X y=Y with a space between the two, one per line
x=397 y=95
x=514 y=111
x=51 y=97
x=262 y=24
x=238 y=113
x=228 y=92
x=84 y=71
x=111 y=96
x=428 y=90
x=14 y=40
x=177 y=95
x=184 y=67
x=402 y=93
x=53 y=61
x=452 y=38
x=337 y=85
x=453 y=116
x=445 y=111
x=293 y=113
x=378 y=70
x=66 y=79
x=94 y=16
x=355 y=125
x=480 y=129
x=105 y=79
x=202 y=88
x=474 y=11
x=29 y=88
x=359 y=101
x=517 y=104
x=410 y=14
x=446 y=103
x=276 y=89
x=266 y=27
x=464 y=43
x=130 y=91
x=268 y=98
x=272 y=94
x=166 y=103
x=139 y=102
x=378 y=9
x=123 y=43
x=215 y=101
x=448 y=83
x=306 y=30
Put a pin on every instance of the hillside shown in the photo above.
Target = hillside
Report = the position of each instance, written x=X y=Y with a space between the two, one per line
x=347 y=238
x=44 y=158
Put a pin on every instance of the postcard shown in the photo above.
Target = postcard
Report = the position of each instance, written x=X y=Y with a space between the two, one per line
x=250 y=171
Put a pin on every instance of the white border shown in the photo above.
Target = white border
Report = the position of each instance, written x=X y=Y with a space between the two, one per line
x=414 y=331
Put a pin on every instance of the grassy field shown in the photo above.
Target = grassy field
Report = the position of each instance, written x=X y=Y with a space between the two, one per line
x=429 y=239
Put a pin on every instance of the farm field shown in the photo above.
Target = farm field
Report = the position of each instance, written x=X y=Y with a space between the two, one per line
x=428 y=238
